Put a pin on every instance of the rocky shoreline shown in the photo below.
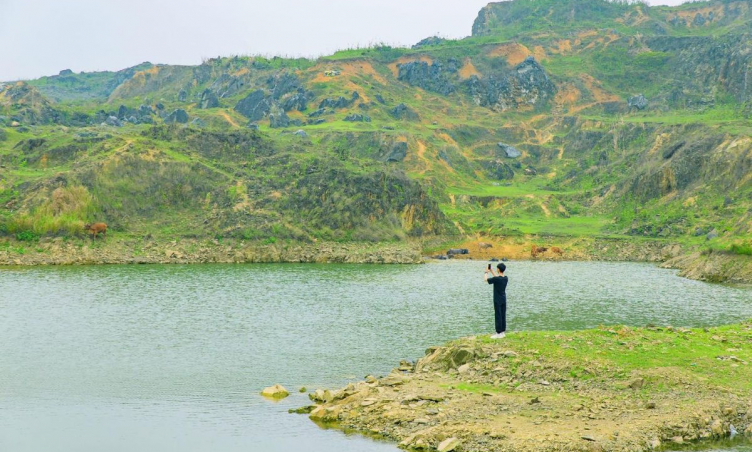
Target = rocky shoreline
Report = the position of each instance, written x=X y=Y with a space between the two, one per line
x=711 y=267
x=58 y=251
x=610 y=389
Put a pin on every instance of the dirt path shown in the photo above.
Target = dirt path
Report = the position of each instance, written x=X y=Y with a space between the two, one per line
x=229 y=119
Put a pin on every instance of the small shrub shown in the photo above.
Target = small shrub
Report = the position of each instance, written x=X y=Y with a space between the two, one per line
x=744 y=249
x=27 y=236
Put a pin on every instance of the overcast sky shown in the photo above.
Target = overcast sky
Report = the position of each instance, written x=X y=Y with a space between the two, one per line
x=41 y=37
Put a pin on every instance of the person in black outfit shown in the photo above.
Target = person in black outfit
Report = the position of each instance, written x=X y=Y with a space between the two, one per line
x=500 y=298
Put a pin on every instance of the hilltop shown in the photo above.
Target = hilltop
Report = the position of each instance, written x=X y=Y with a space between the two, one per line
x=556 y=120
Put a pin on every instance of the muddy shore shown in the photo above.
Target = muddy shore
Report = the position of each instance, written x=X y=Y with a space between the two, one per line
x=611 y=389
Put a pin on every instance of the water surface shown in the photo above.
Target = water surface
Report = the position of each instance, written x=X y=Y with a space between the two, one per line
x=155 y=358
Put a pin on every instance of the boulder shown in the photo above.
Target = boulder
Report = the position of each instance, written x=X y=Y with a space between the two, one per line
x=113 y=121
x=317 y=113
x=298 y=101
x=510 y=151
x=460 y=356
x=275 y=392
x=253 y=126
x=208 y=100
x=254 y=106
x=497 y=169
x=712 y=234
x=403 y=112
x=398 y=152
x=301 y=133
x=380 y=99
x=341 y=102
x=357 y=118
x=278 y=119
x=639 y=102
x=177 y=116
x=228 y=85
x=283 y=84
x=315 y=122
x=182 y=96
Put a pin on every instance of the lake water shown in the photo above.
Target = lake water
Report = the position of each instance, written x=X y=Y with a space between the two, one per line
x=156 y=358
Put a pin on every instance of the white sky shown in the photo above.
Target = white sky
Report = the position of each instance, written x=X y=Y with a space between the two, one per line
x=41 y=37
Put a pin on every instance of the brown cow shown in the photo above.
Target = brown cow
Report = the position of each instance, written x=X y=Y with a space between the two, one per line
x=534 y=251
x=96 y=228
x=484 y=245
x=556 y=250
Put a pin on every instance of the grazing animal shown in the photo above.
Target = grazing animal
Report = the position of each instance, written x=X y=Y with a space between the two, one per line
x=96 y=228
x=534 y=251
x=484 y=245
x=556 y=250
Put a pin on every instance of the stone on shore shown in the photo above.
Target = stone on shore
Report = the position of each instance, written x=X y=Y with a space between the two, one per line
x=275 y=392
x=448 y=445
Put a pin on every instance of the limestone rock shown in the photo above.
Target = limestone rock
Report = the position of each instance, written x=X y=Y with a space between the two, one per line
x=275 y=392
x=177 y=116
x=509 y=151
x=398 y=153
x=639 y=102
x=448 y=445
x=208 y=100
x=254 y=106
x=403 y=112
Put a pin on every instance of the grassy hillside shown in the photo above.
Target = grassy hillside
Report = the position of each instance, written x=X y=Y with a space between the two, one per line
x=556 y=118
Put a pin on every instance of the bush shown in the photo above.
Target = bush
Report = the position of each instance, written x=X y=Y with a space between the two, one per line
x=744 y=249
x=27 y=236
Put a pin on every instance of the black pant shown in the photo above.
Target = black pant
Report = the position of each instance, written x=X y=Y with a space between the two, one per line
x=500 y=311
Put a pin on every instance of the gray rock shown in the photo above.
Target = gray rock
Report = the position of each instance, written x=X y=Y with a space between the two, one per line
x=315 y=122
x=340 y=102
x=526 y=84
x=398 y=152
x=639 y=102
x=278 y=118
x=283 y=84
x=253 y=126
x=431 y=77
x=497 y=169
x=317 y=113
x=227 y=85
x=712 y=234
x=510 y=151
x=208 y=100
x=402 y=111
x=380 y=99
x=254 y=106
x=113 y=121
x=357 y=118
x=298 y=101
x=182 y=96
x=301 y=133
x=177 y=116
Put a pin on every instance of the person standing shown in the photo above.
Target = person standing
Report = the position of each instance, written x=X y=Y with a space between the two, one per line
x=499 y=297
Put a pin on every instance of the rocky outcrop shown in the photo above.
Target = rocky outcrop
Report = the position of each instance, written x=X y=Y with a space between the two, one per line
x=179 y=116
x=254 y=106
x=208 y=100
x=278 y=118
x=431 y=77
x=536 y=391
x=398 y=152
x=355 y=117
x=428 y=42
x=340 y=102
x=527 y=85
x=509 y=151
x=297 y=101
x=227 y=85
x=403 y=112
